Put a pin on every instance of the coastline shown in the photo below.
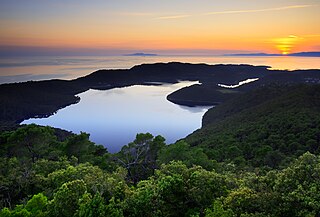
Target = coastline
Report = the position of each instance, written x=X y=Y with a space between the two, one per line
x=20 y=101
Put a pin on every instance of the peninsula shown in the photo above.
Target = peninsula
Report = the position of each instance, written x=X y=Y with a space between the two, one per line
x=20 y=101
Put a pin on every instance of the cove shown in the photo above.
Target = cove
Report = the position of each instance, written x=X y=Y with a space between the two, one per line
x=114 y=117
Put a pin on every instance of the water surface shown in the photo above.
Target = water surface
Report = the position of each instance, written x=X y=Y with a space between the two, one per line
x=38 y=68
x=114 y=117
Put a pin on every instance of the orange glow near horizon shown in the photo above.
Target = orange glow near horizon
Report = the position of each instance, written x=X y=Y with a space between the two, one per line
x=287 y=44
x=283 y=45
x=275 y=26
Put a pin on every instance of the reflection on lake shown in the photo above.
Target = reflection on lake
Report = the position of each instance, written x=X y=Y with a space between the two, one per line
x=114 y=117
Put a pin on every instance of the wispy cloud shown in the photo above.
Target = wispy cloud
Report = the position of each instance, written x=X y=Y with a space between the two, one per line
x=173 y=17
x=259 y=10
x=136 y=14
x=290 y=7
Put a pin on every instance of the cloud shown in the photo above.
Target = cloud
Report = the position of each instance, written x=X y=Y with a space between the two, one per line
x=173 y=17
x=136 y=14
x=259 y=10
x=290 y=7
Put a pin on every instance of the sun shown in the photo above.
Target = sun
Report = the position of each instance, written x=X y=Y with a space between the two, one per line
x=285 y=45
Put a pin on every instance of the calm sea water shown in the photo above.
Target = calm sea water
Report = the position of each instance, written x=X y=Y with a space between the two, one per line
x=114 y=117
x=39 y=68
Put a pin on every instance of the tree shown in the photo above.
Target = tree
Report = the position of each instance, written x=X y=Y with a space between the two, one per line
x=176 y=190
x=80 y=146
x=181 y=151
x=92 y=207
x=35 y=207
x=139 y=157
x=299 y=187
x=66 y=200
x=217 y=210
x=31 y=142
x=15 y=181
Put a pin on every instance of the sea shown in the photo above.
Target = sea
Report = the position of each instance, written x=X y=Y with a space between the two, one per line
x=19 y=69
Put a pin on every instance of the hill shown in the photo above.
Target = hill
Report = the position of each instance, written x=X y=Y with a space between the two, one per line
x=251 y=158
x=267 y=126
x=20 y=101
x=211 y=93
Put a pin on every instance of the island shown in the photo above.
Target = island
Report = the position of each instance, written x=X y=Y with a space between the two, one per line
x=142 y=54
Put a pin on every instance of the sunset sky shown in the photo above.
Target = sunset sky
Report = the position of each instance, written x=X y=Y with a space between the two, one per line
x=165 y=27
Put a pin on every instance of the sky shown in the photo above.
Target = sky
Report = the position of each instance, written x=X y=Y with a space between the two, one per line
x=159 y=26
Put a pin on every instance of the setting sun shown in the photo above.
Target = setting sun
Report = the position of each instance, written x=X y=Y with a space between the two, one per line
x=287 y=44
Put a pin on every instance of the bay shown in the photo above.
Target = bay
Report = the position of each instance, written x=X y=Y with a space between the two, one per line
x=114 y=117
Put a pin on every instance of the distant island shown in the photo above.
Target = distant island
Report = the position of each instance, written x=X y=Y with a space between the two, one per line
x=142 y=54
x=300 y=54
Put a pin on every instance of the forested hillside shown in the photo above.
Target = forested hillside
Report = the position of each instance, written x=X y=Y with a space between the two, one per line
x=256 y=155
x=266 y=127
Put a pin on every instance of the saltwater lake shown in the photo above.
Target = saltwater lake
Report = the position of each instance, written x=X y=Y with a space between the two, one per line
x=114 y=117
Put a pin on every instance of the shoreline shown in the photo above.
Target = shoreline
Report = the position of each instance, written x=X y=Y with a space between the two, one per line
x=20 y=101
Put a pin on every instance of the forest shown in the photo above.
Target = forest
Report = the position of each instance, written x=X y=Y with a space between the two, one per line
x=255 y=155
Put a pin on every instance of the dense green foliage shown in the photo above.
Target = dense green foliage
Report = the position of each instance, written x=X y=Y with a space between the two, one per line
x=267 y=127
x=176 y=190
x=260 y=159
x=139 y=157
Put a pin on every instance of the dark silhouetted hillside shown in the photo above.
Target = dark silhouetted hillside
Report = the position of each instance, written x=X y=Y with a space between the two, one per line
x=20 y=101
